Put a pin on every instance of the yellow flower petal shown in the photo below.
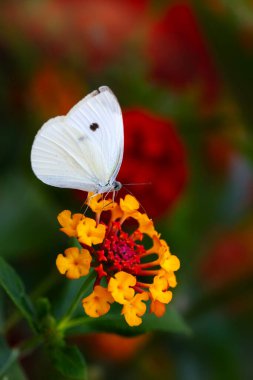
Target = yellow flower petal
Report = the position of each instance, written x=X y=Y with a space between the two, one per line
x=135 y=309
x=159 y=245
x=69 y=223
x=120 y=286
x=98 y=204
x=169 y=262
x=146 y=225
x=89 y=233
x=116 y=212
x=159 y=290
x=129 y=204
x=75 y=263
x=98 y=302
x=169 y=276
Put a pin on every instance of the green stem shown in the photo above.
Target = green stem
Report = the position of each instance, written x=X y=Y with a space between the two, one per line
x=64 y=321
x=75 y=322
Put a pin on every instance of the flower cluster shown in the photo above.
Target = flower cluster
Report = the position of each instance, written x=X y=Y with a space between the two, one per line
x=126 y=272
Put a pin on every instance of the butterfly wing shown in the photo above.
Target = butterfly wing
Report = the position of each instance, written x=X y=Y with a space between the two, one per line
x=84 y=149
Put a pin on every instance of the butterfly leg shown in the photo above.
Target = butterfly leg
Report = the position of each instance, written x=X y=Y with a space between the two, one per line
x=87 y=202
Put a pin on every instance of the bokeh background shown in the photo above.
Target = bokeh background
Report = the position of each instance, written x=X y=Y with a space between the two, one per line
x=183 y=74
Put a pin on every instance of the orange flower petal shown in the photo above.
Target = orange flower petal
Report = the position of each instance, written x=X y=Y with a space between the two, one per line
x=98 y=302
x=98 y=204
x=169 y=276
x=129 y=204
x=69 y=223
x=135 y=309
x=89 y=233
x=159 y=290
x=169 y=262
x=120 y=286
x=75 y=263
x=146 y=225
x=158 y=308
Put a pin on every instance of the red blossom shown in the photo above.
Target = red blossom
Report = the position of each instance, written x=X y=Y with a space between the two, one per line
x=179 y=55
x=229 y=259
x=93 y=29
x=154 y=153
x=120 y=252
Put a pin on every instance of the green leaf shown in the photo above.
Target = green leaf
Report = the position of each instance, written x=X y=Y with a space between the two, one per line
x=171 y=322
x=20 y=219
x=69 y=361
x=13 y=285
x=9 y=368
x=14 y=372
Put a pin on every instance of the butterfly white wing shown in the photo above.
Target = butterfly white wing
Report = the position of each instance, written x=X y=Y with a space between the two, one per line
x=84 y=149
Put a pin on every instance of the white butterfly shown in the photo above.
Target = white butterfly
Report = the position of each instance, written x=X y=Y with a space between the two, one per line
x=84 y=149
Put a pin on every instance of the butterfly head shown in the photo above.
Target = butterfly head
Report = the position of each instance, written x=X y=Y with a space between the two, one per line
x=110 y=186
x=116 y=185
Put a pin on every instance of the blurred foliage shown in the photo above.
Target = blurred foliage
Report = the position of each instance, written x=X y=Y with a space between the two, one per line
x=189 y=65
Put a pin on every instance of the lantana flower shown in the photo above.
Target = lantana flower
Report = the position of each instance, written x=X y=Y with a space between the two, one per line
x=128 y=273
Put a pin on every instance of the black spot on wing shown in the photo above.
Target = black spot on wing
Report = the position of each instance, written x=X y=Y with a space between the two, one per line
x=94 y=126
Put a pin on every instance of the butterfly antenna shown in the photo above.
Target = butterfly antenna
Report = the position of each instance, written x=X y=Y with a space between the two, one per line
x=142 y=207
x=137 y=183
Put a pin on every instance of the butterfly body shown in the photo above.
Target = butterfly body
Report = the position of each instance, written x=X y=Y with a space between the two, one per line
x=84 y=149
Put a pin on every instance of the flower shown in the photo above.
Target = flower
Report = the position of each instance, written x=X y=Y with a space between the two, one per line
x=121 y=287
x=69 y=223
x=179 y=55
x=135 y=308
x=98 y=204
x=98 y=302
x=159 y=290
x=154 y=154
x=75 y=264
x=126 y=272
x=229 y=259
x=158 y=308
x=89 y=233
x=95 y=31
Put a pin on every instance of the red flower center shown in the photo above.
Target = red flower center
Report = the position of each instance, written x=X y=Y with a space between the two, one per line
x=120 y=252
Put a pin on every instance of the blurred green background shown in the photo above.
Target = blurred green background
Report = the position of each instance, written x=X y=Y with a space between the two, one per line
x=183 y=74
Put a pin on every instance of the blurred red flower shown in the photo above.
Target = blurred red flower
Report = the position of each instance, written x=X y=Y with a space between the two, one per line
x=179 y=55
x=154 y=153
x=103 y=26
x=93 y=29
x=229 y=259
